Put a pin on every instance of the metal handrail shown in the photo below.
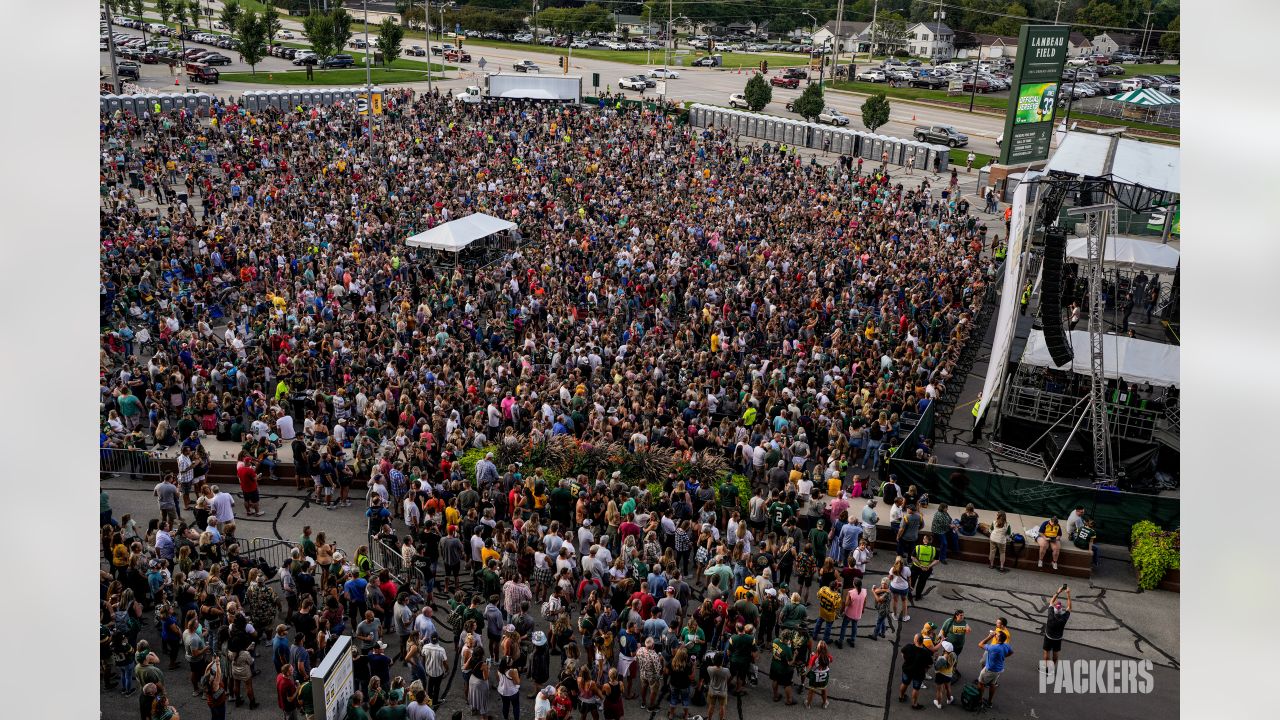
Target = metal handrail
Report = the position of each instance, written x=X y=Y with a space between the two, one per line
x=137 y=464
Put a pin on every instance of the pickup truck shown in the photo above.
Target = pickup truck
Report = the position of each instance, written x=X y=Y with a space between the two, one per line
x=525 y=66
x=457 y=56
x=940 y=135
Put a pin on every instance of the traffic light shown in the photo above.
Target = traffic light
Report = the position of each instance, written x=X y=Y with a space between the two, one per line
x=764 y=66
x=563 y=62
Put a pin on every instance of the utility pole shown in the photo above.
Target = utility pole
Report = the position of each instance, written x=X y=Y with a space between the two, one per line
x=874 y=27
x=535 y=23
x=111 y=50
x=1146 y=30
x=1058 y=13
x=938 y=16
x=669 y=45
x=835 y=62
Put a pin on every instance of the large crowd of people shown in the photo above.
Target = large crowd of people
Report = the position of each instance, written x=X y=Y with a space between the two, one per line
x=675 y=288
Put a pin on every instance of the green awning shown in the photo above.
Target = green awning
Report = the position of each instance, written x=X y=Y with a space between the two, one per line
x=1145 y=98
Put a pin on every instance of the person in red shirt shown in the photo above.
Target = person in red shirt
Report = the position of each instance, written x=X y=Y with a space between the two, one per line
x=248 y=484
x=287 y=691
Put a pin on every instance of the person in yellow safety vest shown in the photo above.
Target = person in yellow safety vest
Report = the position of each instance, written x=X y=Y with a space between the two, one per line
x=1026 y=299
x=924 y=560
x=977 y=420
x=1001 y=251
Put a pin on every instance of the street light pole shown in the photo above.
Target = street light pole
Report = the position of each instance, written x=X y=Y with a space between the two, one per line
x=111 y=50
x=839 y=37
x=426 y=30
x=368 y=74
x=874 y=27
x=811 y=34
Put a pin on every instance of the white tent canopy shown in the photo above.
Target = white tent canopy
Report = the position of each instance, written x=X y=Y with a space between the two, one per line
x=1141 y=361
x=1147 y=164
x=1129 y=253
x=456 y=235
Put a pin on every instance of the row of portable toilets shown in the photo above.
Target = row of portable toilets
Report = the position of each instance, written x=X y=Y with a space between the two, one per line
x=258 y=100
x=197 y=103
x=842 y=141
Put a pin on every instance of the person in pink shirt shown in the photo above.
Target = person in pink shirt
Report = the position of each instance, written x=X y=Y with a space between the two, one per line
x=855 y=599
x=837 y=506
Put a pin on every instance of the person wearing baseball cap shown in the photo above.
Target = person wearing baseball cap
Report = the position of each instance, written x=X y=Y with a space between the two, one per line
x=944 y=669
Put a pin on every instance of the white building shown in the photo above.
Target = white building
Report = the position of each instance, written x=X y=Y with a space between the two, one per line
x=931 y=40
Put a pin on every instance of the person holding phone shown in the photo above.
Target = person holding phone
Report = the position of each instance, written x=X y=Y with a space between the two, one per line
x=1055 y=626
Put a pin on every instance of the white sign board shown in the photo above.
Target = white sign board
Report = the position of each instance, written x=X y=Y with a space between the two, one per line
x=333 y=682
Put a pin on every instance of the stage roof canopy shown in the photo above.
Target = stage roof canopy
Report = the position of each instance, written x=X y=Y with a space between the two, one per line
x=1135 y=360
x=456 y=235
x=1129 y=253
x=1148 y=164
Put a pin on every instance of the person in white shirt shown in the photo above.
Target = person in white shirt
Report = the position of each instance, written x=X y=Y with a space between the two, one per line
x=223 y=505
x=284 y=426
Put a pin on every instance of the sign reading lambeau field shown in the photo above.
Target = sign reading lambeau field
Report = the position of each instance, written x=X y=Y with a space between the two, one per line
x=1042 y=53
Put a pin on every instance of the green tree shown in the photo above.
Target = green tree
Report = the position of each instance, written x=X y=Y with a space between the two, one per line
x=810 y=103
x=342 y=32
x=231 y=14
x=1006 y=25
x=758 y=92
x=1171 y=42
x=136 y=8
x=1098 y=13
x=271 y=24
x=164 y=8
x=319 y=29
x=875 y=111
x=251 y=34
x=180 y=13
x=891 y=32
x=390 y=33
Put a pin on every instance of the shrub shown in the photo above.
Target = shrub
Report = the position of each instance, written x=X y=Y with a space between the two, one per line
x=469 y=461
x=1154 y=553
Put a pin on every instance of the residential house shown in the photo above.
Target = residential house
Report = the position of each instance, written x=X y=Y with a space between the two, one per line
x=1078 y=45
x=982 y=46
x=1114 y=42
x=854 y=36
x=931 y=40
x=635 y=25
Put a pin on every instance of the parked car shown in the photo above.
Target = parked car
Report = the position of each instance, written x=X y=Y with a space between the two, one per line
x=709 y=61
x=284 y=35
x=832 y=116
x=306 y=57
x=941 y=135
x=664 y=73
x=739 y=100
x=128 y=70
x=339 y=61
x=871 y=76
x=980 y=86
x=579 y=45
x=931 y=82
x=358 y=43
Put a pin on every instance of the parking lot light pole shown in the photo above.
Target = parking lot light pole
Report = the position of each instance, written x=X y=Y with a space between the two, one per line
x=426 y=30
x=111 y=50
x=809 y=80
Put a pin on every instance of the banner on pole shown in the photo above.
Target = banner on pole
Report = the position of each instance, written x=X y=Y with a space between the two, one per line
x=1028 y=123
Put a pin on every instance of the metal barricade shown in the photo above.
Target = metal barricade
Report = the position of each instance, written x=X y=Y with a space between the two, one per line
x=137 y=464
x=274 y=552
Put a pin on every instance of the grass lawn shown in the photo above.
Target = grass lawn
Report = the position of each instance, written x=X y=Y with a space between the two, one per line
x=960 y=155
x=344 y=76
x=631 y=57
x=871 y=88
x=1138 y=69
x=1103 y=119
